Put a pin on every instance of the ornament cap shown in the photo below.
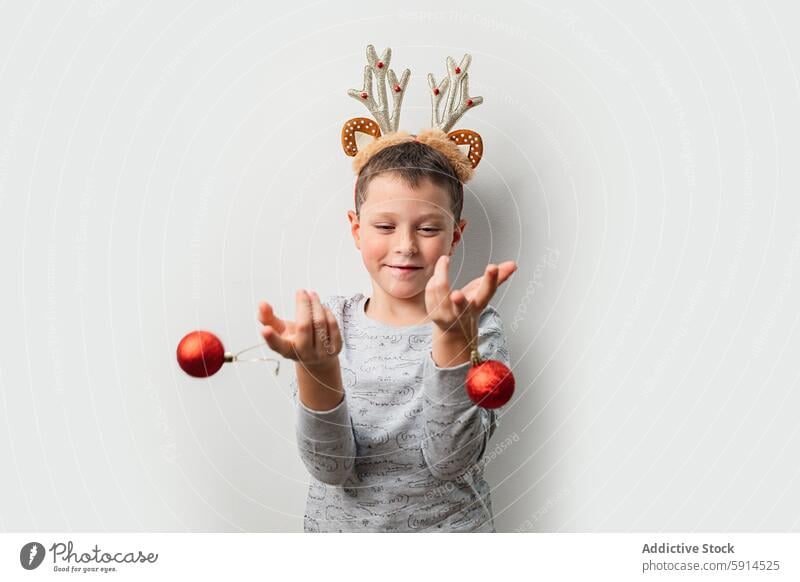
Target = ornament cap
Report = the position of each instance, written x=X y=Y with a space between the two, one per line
x=475 y=358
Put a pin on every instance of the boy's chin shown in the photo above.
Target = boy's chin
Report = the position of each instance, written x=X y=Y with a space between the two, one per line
x=403 y=290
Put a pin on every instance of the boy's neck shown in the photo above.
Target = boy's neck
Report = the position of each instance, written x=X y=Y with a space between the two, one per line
x=396 y=311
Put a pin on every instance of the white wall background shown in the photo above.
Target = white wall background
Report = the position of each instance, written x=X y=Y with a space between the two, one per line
x=165 y=166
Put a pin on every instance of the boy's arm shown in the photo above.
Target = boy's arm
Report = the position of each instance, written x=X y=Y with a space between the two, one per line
x=320 y=389
x=323 y=428
x=456 y=430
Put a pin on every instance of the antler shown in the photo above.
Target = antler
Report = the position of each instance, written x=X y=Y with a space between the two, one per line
x=456 y=84
x=380 y=107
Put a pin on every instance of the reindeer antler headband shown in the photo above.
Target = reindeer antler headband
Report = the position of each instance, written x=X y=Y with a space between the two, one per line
x=363 y=137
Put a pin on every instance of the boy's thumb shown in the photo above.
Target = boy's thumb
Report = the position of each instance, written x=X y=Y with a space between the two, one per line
x=268 y=333
x=275 y=341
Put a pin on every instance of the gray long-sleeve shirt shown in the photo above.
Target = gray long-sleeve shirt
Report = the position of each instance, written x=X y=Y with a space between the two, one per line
x=403 y=450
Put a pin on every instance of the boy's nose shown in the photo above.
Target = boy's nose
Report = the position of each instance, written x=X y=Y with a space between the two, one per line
x=406 y=250
x=407 y=246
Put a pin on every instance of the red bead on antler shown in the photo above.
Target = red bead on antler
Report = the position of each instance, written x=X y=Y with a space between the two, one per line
x=454 y=91
x=381 y=86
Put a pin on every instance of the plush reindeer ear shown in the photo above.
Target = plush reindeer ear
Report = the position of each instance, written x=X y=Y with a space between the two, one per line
x=357 y=133
x=361 y=131
x=470 y=143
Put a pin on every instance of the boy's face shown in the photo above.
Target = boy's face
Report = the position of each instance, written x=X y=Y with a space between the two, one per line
x=400 y=225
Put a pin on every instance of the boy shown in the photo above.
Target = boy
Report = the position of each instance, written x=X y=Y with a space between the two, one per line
x=384 y=425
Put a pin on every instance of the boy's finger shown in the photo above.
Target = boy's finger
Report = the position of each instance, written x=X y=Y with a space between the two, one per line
x=444 y=272
x=439 y=285
x=487 y=287
x=459 y=300
x=304 y=341
x=333 y=327
x=276 y=342
x=319 y=321
x=506 y=269
x=267 y=316
x=264 y=312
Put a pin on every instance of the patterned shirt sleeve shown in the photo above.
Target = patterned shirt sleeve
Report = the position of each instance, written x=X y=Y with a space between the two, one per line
x=457 y=430
x=325 y=439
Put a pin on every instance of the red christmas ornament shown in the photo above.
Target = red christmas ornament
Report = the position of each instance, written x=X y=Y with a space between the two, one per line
x=201 y=354
x=489 y=383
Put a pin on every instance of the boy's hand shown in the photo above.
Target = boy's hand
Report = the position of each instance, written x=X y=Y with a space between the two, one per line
x=312 y=339
x=450 y=310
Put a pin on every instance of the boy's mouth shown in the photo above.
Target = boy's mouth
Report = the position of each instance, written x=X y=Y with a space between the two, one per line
x=402 y=268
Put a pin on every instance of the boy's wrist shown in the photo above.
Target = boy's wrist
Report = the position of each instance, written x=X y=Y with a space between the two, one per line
x=320 y=385
x=451 y=331
x=450 y=347
x=319 y=367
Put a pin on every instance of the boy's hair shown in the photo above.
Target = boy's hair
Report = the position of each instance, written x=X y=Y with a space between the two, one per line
x=412 y=162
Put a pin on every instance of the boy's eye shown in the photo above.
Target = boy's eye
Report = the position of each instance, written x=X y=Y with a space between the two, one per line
x=427 y=230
